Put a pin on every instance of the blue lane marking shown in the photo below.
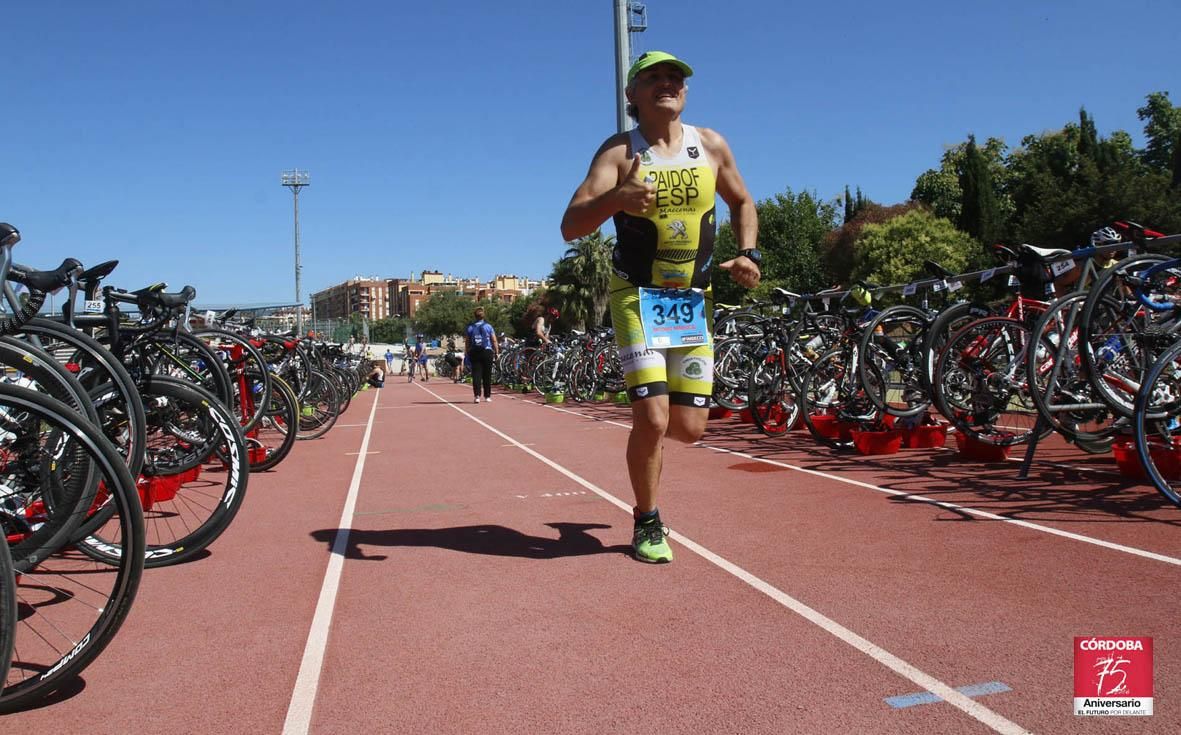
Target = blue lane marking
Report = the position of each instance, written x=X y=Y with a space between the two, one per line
x=971 y=690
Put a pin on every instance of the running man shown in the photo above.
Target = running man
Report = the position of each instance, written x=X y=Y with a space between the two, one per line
x=658 y=183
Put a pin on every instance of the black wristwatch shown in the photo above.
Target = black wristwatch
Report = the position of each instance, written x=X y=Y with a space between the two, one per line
x=754 y=255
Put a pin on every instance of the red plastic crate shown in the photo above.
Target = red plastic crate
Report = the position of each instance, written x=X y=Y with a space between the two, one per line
x=877 y=442
x=830 y=428
x=924 y=437
x=1166 y=458
x=972 y=448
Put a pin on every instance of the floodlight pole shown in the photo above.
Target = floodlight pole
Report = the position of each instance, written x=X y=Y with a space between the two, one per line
x=295 y=180
x=630 y=17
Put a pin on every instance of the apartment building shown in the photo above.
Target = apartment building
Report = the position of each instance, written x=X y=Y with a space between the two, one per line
x=379 y=298
x=369 y=296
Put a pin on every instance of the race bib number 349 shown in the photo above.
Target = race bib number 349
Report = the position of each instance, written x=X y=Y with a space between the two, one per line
x=673 y=317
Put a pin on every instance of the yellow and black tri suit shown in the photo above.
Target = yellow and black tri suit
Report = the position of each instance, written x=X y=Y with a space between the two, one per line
x=670 y=245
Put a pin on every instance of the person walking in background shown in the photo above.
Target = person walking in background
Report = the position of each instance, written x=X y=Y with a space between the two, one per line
x=420 y=358
x=480 y=347
x=658 y=182
x=389 y=360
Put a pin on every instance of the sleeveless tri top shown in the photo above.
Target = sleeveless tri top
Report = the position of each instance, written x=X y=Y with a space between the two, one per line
x=671 y=244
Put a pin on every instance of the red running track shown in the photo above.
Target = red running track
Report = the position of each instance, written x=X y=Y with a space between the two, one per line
x=485 y=587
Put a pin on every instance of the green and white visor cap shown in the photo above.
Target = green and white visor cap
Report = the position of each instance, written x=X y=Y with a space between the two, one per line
x=652 y=58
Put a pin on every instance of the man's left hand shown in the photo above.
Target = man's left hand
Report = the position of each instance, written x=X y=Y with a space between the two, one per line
x=743 y=271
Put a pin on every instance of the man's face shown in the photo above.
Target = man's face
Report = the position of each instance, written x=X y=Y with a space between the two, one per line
x=658 y=87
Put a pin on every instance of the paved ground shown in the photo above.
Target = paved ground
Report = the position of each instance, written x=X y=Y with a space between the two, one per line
x=437 y=566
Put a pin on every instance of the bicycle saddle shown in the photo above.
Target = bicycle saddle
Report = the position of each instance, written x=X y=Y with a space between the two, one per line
x=1042 y=252
x=936 y=270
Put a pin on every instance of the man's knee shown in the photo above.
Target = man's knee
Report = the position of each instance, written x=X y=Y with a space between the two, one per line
x=686 y=423
x=649 y=419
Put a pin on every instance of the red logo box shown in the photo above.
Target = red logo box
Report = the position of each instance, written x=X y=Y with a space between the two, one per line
x=1112 y=675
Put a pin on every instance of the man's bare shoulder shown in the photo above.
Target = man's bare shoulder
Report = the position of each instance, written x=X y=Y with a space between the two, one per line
x=614 y=148
x=712 y=139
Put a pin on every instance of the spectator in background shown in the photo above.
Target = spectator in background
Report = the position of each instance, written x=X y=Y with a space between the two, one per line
x=480 y=347
x=420 y=359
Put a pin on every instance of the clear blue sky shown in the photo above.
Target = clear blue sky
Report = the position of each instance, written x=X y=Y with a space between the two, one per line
x=450 y=135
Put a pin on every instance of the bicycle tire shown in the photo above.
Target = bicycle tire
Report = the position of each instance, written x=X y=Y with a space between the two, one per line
x=7 y=610
x=1104 y=303
x=979 y=374
x=188 y=429
x=319 y=407
x=1055 y=359
x=70 y=606
x=886 y=394
x=123 y=421
x=276 y=432
x=1146 y=427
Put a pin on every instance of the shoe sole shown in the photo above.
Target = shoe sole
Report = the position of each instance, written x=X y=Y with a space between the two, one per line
x=646 y=560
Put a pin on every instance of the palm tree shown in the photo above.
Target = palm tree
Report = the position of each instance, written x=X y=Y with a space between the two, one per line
x=581 y=279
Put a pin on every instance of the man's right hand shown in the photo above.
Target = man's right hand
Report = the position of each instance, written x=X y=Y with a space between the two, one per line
x=635 y=195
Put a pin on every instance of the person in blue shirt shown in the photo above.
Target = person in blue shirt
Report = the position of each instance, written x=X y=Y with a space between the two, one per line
x=419 y=359
x=480 y=347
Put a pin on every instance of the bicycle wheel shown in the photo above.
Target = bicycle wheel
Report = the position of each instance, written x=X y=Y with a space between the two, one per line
x=1117 y=338
x=121 y=412
x=7 y=610
x=890 y=368
x=1061 y=392
x=832 y=399
x=319 y=407
x=185 y=357
x=275 y=433
x=980 y=382
x=1156 y=424
x=773 y=405
x=947 y=323
x=69 y=606
x=194 y=479
x=248 y=373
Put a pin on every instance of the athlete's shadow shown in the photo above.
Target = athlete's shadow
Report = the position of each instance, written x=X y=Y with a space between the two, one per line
x=572 y=540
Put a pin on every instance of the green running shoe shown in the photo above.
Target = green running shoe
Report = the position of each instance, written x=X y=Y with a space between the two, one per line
x=650 y=544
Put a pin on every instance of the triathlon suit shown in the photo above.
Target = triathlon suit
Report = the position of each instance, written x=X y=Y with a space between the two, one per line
x=671 y=246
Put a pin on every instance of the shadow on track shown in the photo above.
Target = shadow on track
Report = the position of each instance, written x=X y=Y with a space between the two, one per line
x=573 y=540
x=1049 y=493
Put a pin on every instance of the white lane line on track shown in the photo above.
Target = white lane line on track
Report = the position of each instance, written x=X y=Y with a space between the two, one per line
x=303 y=696
x=919 y=498
x=929 y=683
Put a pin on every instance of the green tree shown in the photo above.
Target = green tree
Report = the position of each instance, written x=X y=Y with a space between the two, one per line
x=940 y=188
x=1177 y=160
x=444 y=314
x=979 y=209
x=1162 y=126
x=581 y=279
x=390 y=330
x=1088 y=141
x=839 y=245
x=893 y=252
